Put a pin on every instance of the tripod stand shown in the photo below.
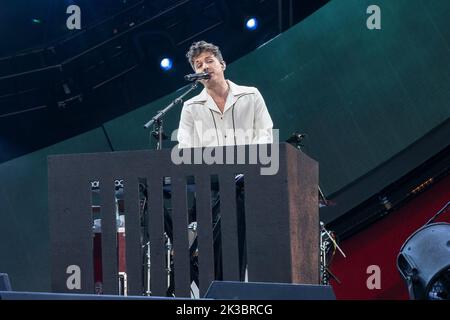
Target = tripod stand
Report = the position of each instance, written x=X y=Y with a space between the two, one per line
x=326 y=240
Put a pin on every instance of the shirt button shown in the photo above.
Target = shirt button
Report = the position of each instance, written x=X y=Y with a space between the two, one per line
x=221 y=118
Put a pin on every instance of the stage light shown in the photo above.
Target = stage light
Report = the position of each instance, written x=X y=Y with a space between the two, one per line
x=424 y=262
x=251 y=24
x=36 y=21
x=166 y=64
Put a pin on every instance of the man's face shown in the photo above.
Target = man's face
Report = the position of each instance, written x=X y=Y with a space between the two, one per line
x=207 y=62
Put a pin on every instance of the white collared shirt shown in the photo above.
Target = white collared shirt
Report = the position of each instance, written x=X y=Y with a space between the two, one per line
x=245 y=120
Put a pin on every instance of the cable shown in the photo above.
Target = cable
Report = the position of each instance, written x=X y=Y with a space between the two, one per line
x=444 y=209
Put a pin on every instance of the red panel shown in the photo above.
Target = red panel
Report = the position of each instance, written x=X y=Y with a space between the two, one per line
x=380 y=243
x=98 y=276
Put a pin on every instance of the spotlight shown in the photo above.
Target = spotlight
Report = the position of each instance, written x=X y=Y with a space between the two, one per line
x=166 y=64
x=424 y=262
x=251 y=24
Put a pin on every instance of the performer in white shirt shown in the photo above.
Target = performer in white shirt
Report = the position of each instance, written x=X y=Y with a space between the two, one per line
x=223 y=113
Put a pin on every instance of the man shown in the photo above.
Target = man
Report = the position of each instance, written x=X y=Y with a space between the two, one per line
x=223 y=113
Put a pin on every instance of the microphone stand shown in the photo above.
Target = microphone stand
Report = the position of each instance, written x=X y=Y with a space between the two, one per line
x=158 y=133
x=157 y=121
x=325 y=272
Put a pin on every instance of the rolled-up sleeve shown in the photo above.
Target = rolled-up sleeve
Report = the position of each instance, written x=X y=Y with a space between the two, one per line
x=263 y=122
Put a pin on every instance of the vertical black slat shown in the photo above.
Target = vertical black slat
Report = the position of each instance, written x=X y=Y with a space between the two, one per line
x=70 y=225
x=109 y=236
x=204 y=231
x=180 y=237
x=133 y=251
x=158 y=272
x=229 y=228
x=251 y=229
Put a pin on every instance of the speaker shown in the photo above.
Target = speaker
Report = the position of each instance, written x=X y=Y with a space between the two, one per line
x=236 y=290
x=5 y=285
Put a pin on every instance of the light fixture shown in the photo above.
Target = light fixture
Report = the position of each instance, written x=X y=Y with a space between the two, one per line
x=166 y=64
x=251 y=24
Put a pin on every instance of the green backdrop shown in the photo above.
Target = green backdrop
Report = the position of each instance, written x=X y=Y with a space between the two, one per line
x=361 y=95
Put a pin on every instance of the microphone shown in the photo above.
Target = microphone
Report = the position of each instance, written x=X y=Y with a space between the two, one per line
x=296 y=137
x=197 y=76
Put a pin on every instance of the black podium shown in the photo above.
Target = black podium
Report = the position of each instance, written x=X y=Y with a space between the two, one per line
x=281 y=218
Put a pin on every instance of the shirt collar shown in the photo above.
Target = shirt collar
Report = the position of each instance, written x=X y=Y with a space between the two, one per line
x=235 y=91
x=238 y=90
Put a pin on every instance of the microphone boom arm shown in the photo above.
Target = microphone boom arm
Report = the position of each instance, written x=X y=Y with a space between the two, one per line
x=178 y=100
x=157 y=119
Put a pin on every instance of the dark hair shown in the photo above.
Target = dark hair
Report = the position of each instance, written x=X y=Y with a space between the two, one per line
x=197 y=48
